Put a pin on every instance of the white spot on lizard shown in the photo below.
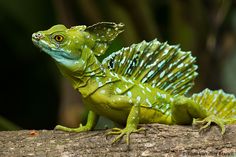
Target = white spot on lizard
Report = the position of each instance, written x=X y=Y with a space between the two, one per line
x=129 y=94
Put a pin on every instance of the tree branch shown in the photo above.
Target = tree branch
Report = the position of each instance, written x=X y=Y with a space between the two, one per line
x=160 y=140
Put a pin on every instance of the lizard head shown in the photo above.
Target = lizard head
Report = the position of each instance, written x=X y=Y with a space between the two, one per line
x=67 y=45
x=60 y=43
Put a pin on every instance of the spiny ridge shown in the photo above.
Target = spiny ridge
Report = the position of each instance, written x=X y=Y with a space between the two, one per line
x=217 y=102
x=161 y=65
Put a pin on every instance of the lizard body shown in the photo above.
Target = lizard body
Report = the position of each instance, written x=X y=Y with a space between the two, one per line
x=143 y=83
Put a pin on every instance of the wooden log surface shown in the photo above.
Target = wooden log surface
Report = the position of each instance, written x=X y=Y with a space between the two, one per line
x=158 y=140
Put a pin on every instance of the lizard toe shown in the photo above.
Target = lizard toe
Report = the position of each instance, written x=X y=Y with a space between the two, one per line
x=206 y=122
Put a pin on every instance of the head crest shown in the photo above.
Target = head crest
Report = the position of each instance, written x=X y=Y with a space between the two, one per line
x=103 y=33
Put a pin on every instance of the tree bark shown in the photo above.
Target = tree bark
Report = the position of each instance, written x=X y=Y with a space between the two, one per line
x=159 y=140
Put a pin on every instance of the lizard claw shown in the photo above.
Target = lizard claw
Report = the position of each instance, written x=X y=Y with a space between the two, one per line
x=121 y=132
x=206 y=122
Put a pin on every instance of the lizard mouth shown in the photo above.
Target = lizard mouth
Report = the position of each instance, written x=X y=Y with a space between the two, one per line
x=35 y=42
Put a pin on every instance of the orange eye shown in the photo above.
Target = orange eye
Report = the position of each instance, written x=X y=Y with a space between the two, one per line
x=59 y=38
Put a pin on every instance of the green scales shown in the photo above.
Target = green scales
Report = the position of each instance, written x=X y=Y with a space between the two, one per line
x=143 y=83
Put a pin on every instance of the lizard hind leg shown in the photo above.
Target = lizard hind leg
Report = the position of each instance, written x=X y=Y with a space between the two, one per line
x=184 y=110
x=220 y=106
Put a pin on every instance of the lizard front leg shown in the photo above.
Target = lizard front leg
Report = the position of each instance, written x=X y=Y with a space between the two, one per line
x=132 y=120
x=91 y=122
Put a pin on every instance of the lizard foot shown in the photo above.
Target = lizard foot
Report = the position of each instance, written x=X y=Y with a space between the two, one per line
x=206 y=122
x=121 y=132
x=81 y=128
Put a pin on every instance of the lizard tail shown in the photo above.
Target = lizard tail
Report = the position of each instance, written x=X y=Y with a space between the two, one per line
x=218 y=103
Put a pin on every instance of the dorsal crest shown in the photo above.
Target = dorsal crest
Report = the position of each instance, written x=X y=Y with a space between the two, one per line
x=161 y=65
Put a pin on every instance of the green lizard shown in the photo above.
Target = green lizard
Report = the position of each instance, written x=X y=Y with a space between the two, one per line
x=143 y=83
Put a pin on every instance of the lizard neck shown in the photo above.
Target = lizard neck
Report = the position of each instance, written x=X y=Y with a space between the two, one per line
x=86 y=74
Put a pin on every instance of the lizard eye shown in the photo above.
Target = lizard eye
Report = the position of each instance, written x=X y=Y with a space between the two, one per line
x=59 y=38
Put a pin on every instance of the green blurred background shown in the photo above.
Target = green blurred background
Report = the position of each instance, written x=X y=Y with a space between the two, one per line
x=34 y=95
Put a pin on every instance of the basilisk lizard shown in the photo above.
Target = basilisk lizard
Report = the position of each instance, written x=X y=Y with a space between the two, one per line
x=143 y=83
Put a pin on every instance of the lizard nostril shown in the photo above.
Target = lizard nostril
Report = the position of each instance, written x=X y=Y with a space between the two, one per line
x=37 y=36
